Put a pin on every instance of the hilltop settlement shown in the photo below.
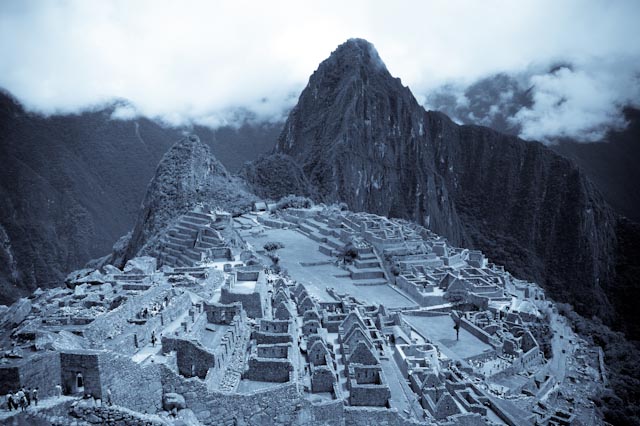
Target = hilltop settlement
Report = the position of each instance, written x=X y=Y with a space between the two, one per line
x=313 y=315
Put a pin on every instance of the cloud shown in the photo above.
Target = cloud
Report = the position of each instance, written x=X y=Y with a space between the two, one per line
x=201 y=62
x=581 y=102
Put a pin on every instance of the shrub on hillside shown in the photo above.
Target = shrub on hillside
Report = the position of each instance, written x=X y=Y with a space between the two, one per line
x=294 y=201
x=273 y=246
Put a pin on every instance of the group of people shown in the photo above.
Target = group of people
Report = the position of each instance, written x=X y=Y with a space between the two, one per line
x=22 y=399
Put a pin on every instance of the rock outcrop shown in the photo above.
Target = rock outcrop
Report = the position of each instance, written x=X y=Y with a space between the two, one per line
x=188 y=175
x=361 y=138
x=277 y=175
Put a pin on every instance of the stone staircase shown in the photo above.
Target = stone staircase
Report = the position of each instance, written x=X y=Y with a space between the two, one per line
x=196 y=236
x=366 y=269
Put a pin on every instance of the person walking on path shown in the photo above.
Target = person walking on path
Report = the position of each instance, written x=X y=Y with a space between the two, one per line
x=27 y=394
x=109 y=397
x=22 y=399
x=153 y=338
x=58 y=390
x=10 y=400
x=34 y=396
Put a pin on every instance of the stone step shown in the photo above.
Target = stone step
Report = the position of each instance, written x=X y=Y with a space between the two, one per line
x=189 y=225
x=130 y=277
x=199 y=215
x=188 y=270
x=335 y=243
x=366 y=250
x=367 y=263
x=308 y=229
x=186 y=231
x=211 y=240
x=204 y=246
x=192 y=254
x=326 y=250
x=365 y=274
x=181 y=238
x=317 y=238
x=200 y=221
x=169 y=260
x=172 y=244
x=365 y=283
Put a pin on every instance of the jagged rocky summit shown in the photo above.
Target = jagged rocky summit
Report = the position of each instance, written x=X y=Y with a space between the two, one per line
x=359 y=136
x=188 y=175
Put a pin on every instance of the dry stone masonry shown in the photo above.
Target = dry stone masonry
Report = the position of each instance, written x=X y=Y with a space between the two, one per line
x=351 y=319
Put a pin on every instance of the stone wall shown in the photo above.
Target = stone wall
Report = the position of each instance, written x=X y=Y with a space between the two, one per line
x=112 y=415
x=218 y=313
x=193 y=359
x=84 y=363
x=41 y=371
x=132 y=385
x=251 y=302
x=413 y=290
x=108 y=330
x=271 y=338
x=369 y=395
x=269 y=370
x=280 y=405
x=322 y=379
x=366 y=416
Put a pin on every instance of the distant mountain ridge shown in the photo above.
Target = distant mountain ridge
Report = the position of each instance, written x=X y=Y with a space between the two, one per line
x=611 y=163
x=360 y=137
x=71 y=185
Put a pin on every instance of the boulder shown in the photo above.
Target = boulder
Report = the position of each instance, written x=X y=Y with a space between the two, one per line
x=16 y=313
x=111 y=270
x=141 y=265
x=173 y=400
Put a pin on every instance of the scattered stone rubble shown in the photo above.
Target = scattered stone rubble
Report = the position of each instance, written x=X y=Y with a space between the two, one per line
x=205 y=327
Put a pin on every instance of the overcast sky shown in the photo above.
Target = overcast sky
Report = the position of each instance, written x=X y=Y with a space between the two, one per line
x=188 y=61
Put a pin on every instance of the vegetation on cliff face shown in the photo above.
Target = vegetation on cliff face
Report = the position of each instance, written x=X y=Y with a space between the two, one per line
x=187 y=175
x=360 y=137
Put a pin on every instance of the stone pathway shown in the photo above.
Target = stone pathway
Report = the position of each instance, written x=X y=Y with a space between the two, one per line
x=36 y=411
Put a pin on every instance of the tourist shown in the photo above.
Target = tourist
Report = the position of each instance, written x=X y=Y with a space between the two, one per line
x=10 y=400
x=58 y=390
x=34 y=396
x=27 y=394
x=109 y=397
x=153 y=338
x=22 y=399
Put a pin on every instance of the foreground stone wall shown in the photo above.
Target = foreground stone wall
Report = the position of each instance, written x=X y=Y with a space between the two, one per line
x=133 y=386
x=84 y=363
x=281 y=405
x=361 y=416
x=41 y=371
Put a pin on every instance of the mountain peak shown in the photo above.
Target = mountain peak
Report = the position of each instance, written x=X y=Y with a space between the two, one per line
x=356 y=51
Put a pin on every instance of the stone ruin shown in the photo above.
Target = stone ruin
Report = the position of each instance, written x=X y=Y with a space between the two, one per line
x=206 y=328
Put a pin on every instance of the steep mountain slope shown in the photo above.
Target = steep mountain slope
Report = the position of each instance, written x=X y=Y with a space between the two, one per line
x=361 y=137
x=187 y=175
x=356 y=132
x=610 y=163
x=272 y=176
x=69 y=186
